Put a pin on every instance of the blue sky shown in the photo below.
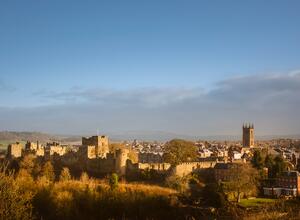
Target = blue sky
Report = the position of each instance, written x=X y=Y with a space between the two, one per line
x=56 y=55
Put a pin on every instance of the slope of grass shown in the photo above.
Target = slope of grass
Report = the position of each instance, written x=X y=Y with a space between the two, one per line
x=256 y=202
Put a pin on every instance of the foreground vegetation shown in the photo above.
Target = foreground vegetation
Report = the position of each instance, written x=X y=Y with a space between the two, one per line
x=31 y=188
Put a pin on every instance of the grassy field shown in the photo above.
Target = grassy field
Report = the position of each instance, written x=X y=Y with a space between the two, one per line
x=256 y=202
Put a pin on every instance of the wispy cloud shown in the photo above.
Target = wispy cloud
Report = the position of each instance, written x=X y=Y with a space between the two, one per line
x=150 y=97
x=271 y=101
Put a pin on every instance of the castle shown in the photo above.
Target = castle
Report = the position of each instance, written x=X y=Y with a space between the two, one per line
x=94 y=157
x=96 y=146
x=99 y=160
x=248 y=135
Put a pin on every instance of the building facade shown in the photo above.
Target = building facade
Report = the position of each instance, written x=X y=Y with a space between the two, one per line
x=248 y=135
x=14 y=150
x=96 y=146
x=287 y=184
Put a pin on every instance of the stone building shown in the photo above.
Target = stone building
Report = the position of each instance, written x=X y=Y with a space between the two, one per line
x=186 y=168
x=181 y=170
x=14 y=150
x=286 y=184
x=95 y=146
x=248 y=135
x=36 y=148
x=31 y=146
x=121 y=161
x=55 y=148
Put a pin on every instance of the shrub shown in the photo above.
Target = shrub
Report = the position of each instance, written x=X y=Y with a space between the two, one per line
x=113 y=181
x=65 y=175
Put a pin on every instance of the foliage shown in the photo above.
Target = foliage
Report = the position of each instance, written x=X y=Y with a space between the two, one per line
x=279 y=165
x=30 y=164
x=212 y=195
x=178 y=151
x=48 y=171
x=114 y=181
x=65 y=174
x=27 y=163
x=243 y=181
x=176 y=182
x=14 y=202
x=84 y=177
x=133 y=156
x=257 y=160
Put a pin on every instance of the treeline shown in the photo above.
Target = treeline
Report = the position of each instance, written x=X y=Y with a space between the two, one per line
x=33 y=189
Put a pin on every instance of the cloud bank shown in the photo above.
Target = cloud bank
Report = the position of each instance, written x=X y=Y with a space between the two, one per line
x=271 y=102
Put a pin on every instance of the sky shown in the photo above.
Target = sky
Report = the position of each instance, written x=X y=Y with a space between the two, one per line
x=188 y=67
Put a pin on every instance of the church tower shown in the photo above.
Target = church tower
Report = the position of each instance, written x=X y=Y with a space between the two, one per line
x=248 y=135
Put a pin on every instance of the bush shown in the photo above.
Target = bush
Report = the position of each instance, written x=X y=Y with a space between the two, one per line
x=177 y=183
x=65 y=174
x=113 y=181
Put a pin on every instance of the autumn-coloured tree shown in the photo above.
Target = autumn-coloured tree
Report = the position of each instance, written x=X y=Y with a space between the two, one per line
x=48 y=171
x=65 y=174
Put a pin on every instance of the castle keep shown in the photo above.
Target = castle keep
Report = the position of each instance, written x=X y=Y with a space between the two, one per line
x=14 y=150
x=95 y=146
x=248 y=135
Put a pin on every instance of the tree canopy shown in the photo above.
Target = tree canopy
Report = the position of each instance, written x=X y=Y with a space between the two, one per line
x=243 y=180
x=178 y=151
x=257 y=160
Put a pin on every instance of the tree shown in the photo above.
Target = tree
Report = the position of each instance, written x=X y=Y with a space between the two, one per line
x=84 y=177
x=27 y=163
x=178 y=151
x=176 y=182
x=243 y=180
x=114 y=181
x=30 y=164
x=269 y=163
x=279 y=166
x=133 y=156
x=48 y=171
x=212 y=195
x=14 y=203
x=65 y=174
x=257 y=160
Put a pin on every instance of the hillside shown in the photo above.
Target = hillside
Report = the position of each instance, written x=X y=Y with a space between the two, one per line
x=24 y=136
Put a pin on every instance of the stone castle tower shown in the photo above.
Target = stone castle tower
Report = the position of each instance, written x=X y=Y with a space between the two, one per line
x=248 y=135
x=96 y=146
x=121 y=159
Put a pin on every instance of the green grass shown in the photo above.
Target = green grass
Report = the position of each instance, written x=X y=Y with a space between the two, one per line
x=256 y=202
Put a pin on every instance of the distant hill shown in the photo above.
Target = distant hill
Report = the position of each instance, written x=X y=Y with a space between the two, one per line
x=26 y=136
x=12 y=136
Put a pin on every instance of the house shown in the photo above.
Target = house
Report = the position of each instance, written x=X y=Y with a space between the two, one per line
x=236 y=155
x=287 y=184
